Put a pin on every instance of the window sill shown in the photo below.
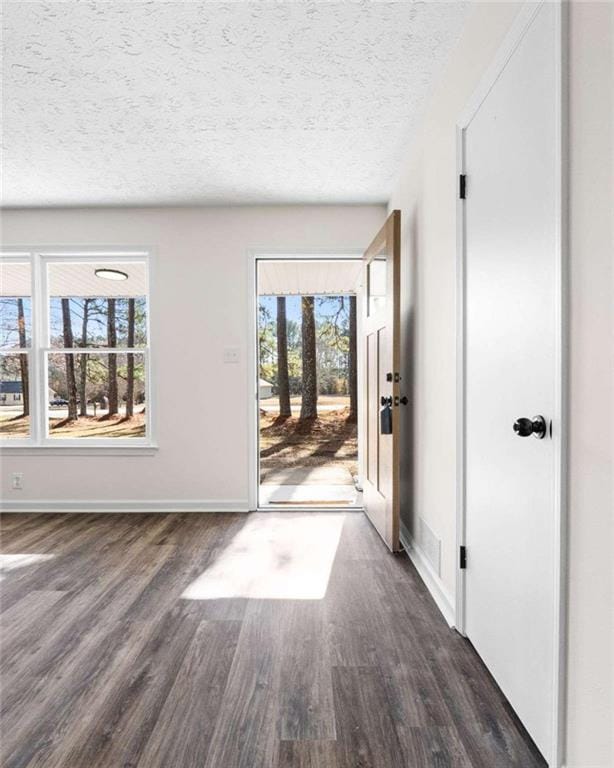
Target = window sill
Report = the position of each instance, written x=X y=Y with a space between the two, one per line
x=78 y=450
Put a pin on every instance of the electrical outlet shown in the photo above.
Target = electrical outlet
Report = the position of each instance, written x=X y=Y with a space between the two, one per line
x=17 y=484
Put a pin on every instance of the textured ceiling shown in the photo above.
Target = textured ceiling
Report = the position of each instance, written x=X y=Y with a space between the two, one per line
x=113 y=103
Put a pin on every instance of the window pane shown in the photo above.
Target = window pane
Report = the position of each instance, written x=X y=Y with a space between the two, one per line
x=87 y=310
x=14 y=396
x=376 y=281
x=97 y=395
x=15 y=305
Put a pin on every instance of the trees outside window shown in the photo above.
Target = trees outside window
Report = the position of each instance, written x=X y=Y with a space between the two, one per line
x=319 y=349
x=113 y=406
x=23 y=359
x=130 y=360
x=71 y=383
x=330 y=332
x=83 y=360
x=283 y=378
x=91 y=360
x=15 y=348
x=352 y=362
x=309 y=402
x=109 y=386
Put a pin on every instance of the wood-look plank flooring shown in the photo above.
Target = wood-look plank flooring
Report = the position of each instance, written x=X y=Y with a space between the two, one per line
x=105 y=664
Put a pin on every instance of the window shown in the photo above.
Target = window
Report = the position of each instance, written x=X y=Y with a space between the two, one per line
x=15 y=347
x=376 y=285
x=83 y=375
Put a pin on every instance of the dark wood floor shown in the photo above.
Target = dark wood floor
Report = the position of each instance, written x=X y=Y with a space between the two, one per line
x=104 y=663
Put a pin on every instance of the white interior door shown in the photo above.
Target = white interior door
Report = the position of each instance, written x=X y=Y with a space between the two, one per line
x=512 y=257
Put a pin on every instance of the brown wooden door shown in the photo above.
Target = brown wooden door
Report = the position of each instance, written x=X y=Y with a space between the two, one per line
x=381 y=354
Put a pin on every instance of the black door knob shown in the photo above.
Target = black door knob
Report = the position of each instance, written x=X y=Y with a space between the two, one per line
x=536 y=426
x=385 y=401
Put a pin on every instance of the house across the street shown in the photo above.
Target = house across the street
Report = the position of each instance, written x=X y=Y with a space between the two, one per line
x=266 y=389
x=10 y=392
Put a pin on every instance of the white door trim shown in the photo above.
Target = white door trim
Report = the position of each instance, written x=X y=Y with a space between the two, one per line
x=523 y=21
x=253 y=255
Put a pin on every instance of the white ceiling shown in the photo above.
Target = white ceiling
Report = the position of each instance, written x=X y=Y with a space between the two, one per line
x=308 y=278
x=128 y=103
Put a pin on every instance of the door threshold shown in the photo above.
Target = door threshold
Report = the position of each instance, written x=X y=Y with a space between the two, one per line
x=303 y=508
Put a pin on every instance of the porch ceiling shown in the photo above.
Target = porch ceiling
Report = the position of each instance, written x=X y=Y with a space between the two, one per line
x=308 y=278
x=76 y=279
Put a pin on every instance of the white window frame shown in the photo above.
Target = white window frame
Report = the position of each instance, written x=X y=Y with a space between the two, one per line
x=39 y=349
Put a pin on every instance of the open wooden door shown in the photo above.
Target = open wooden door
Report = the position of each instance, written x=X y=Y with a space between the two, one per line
x=380 y=392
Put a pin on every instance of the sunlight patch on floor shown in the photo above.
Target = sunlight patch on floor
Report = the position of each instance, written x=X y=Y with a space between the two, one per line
x=274 y=557
x=12 y=562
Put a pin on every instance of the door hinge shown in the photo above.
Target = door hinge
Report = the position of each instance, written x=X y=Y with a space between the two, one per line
x=462 y=560
x=462 y=186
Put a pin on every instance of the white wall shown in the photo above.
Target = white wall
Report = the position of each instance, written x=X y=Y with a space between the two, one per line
x=200 y=285
x=591 y=477
x=426 y=194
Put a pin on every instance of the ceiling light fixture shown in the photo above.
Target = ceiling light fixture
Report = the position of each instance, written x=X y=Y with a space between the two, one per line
x=111 y=274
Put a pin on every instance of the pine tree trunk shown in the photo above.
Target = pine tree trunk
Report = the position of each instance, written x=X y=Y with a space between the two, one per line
x=130 y=362
x=309 y=405
x=112 y=359
x=283 y=380
x=23 y=359
x=83 y=361
x=71 y=382
x=352 y=367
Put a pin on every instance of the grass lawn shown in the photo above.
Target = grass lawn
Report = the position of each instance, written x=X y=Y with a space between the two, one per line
x=14 y=426
x=288 y=443
x=341 y=401
x=90 y=426
x=99 y=426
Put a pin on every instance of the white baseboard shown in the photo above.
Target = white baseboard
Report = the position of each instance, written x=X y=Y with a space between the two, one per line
x=140 y=505
x=441 y=596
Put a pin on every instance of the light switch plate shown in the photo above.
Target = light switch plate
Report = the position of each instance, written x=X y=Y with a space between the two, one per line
x=231 y=354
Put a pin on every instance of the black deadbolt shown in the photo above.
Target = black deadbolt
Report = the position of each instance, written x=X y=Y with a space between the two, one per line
x=536 y=426
x=385 y=416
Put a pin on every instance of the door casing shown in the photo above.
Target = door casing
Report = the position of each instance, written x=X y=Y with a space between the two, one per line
x=521 y=24
x=253 y=458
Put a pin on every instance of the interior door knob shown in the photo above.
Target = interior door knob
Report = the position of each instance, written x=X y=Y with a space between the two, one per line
x=536 y=426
